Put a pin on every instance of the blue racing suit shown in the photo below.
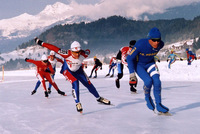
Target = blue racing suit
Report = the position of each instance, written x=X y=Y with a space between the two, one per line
x=146 y=69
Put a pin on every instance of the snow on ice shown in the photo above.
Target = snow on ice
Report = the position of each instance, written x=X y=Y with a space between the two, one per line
x=23 y=113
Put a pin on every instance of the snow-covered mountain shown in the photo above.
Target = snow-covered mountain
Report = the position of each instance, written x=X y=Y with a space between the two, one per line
x=28 y=26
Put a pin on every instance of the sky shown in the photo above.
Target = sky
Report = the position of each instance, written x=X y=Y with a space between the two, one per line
x=23 y=113
x=127 y=8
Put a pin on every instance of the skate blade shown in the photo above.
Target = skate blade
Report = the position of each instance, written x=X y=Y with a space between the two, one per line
x=165 y=114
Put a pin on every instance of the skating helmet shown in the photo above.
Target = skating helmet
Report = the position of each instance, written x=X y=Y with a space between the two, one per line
x=75 y=46
x=44 y=57
x=95 y=57
x=172 y=51
x=132 y=43
x=52 y=53
x=187 y=49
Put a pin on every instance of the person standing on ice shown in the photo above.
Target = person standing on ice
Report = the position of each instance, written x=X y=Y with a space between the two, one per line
x=190 y=56
x=73 y=71
x=121 y=61
x=145 y=50
x=97 y=65
x=172 y=58
x=112 y=66
x=53 y=60
x=44 y=71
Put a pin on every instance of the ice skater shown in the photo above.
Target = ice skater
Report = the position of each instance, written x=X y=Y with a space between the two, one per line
x=97 y=65
x=121 y=61
x=172 y=57
x=112 y=66
x=143 y=52
x=190 y=56
x=44 y=72
x=53 y=60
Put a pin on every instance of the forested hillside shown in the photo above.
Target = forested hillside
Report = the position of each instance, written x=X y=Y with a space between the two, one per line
x=108 y=35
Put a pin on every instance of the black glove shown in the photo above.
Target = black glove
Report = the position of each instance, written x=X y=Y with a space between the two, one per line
x=38 y=41
x=158 y=60
x=100 y=68
x=167 y=60
x=26 y=59
x=195 y=58
x=181 y=59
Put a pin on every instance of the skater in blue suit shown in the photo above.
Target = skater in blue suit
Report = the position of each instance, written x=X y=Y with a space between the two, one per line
x=146 y=69
x=172 y=57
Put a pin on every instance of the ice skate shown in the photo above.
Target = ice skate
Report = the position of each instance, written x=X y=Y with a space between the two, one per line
x=79 y=107
x=95 y=76
x=133 y=90
x=107 y=75
x=46 y=94
x=49 y=91
x=33 y=92
x=61 y=92
x=90 y=76
x=103 y=100
x=161 y=108
x=112 y=75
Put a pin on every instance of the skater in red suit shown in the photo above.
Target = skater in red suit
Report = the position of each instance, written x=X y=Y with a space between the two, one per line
x=44 y=71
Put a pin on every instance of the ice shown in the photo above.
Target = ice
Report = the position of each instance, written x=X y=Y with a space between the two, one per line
x=23 y=113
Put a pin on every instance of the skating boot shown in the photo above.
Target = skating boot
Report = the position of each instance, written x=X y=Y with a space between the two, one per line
x=79 y=107
x=150 y=103
x=112 y=75
x=107 y=75
x=103 y=100
x=46 y=94
x=33 y=92
x=90 y=76
x=161 y=108
x=133 y=90
x=95 y=76
x=61 y=92
x=49 y=90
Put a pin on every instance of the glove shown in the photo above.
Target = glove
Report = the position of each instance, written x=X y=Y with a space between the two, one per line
x=100 y=68
x=195 y=58
x=87 y=51
x=26 y=59
x=181 y=59
x=167 y=60
x=133 y=79
x=38 y=41
x=158 y=60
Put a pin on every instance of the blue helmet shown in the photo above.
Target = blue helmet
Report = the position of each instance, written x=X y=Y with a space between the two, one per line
x=187 y=49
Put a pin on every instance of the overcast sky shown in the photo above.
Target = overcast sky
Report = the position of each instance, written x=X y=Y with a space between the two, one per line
x=127 y=8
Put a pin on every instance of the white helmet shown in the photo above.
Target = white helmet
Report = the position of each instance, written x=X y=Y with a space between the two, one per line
x=52 y=53
x=44 y=57
x=75 y=46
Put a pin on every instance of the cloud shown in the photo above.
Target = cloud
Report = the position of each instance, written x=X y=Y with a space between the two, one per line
x=127 y=8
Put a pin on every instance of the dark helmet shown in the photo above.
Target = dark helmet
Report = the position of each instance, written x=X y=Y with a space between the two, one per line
x=132 y=43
